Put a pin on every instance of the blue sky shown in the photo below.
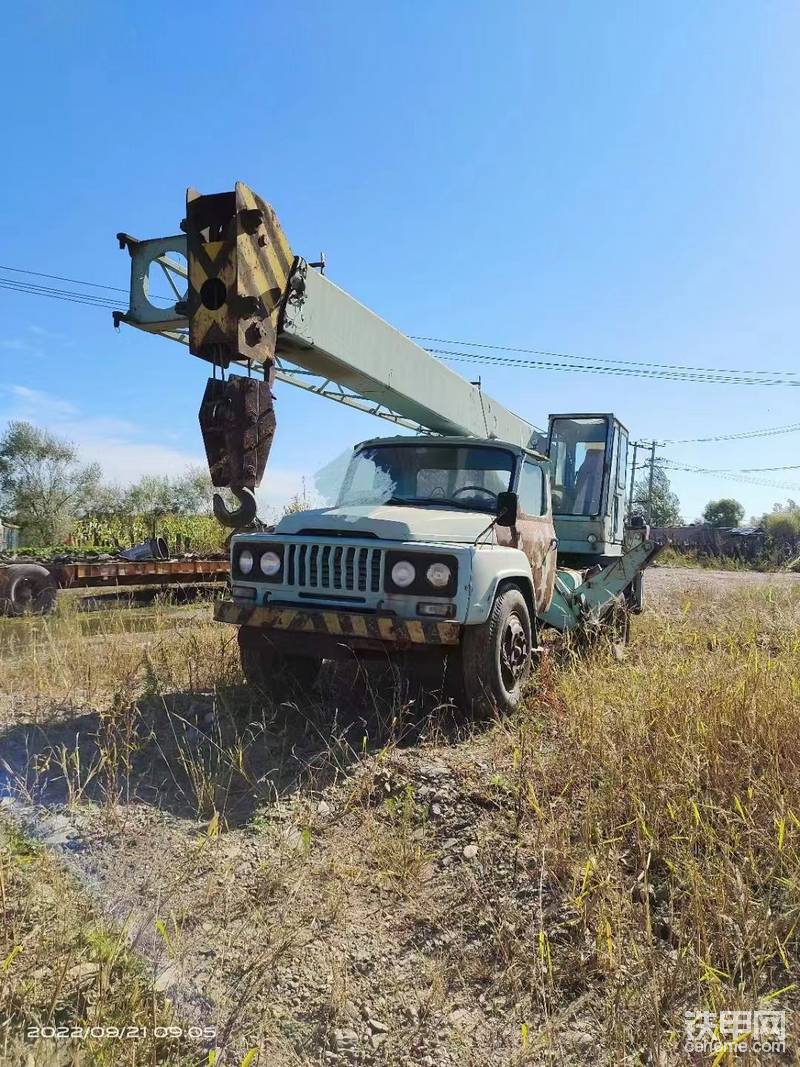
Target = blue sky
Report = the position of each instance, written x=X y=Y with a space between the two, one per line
x=614 y=180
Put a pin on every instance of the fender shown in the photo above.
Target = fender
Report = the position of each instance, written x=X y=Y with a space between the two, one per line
x=491 y=565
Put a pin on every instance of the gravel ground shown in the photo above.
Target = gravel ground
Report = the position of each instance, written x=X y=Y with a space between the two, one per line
x=663 y=581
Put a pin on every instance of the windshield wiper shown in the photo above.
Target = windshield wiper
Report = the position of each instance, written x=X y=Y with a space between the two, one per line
x=441 y=502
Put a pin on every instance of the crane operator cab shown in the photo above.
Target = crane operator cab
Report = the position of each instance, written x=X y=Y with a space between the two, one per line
x=588 y=467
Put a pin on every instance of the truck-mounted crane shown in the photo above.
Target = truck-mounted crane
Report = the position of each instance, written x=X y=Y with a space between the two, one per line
x=463 y=539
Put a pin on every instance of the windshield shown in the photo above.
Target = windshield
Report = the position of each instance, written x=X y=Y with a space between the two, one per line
x=577 y=463
x=460 y=476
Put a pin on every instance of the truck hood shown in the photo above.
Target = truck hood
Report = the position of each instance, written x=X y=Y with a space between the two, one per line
x=390 y=522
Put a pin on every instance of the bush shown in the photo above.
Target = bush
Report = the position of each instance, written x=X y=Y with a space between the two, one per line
x=782 y=524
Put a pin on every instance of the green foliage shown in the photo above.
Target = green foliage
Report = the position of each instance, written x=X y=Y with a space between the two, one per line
x=62 y=504
x=782 y=524
x=171 y=507
x=43 y=483
x=665 y=509
x=197 y=533
x=299 y=502
x=724 y=513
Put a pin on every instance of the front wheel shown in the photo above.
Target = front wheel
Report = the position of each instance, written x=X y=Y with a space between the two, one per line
x=270 y=671
x=496 y=656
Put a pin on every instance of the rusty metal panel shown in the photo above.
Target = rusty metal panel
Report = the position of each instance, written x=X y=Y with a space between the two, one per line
x=70 y=575
x=239 y=267
x=237 y=420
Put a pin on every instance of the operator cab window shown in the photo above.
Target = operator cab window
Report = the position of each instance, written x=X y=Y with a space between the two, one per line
x=531 y=489
x=577 y=464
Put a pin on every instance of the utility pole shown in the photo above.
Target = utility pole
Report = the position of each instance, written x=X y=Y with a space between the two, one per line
x=633 y=479
x=650 y=485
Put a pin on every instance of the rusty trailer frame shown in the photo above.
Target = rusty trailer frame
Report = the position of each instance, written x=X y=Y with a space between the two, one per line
x=140 y=572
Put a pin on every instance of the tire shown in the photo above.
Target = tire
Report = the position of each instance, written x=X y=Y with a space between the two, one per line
x=613 y=629
x=617 y=624
x=272 y=672
x=634 y=595
x=496 y=656
x=27 y=589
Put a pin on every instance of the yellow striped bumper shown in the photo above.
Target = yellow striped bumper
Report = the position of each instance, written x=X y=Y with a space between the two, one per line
x=347 y=625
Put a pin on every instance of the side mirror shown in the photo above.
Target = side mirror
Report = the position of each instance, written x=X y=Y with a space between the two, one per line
x=507 y=509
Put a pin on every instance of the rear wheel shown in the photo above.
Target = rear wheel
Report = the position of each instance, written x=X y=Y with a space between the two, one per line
x=496 y=656
x=612 y=629
x=271 y=671
x=617 y=624
x=27 y=589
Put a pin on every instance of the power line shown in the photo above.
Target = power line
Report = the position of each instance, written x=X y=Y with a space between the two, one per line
x=639 y=368
x=58 y=294
x=719 y=378
x=77 y=281
x=739 y=470
x=744 y=435
x=728 y=475
x=593 y=359
x=61 y=278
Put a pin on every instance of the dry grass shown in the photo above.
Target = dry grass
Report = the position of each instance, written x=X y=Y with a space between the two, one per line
x=661 y=799
x=635 y=833
x=62 y=968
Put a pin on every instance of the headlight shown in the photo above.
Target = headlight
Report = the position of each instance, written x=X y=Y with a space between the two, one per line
x=438 y=574
x=403 y=573
x=270 y=564
x=246 y=561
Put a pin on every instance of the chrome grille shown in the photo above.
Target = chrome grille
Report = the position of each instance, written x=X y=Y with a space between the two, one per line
x=333 y=568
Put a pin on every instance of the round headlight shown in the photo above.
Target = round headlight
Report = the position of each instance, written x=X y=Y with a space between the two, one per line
x=245 y=561
x=403 y=573
x=270 y=564
x=438 y=574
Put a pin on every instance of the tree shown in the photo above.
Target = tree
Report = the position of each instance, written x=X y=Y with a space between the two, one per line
x=783 y=520
x=665 y=509
x=725 y=512
x=43 y=483
x=158 y=494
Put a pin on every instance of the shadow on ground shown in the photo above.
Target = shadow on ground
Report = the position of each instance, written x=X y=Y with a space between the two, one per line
x=229 y=752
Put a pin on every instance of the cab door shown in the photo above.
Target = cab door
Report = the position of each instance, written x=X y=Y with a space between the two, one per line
x=534 y=533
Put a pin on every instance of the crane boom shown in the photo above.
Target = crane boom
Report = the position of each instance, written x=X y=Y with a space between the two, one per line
x=332 y=335
x=328 y=343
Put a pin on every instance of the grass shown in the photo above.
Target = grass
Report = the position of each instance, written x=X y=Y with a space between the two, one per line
x=662 y=798
x=62 y=968
x=771 y=559
x=633 y=833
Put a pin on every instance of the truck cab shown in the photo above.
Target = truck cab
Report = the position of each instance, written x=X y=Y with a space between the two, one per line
x=440 y=544
x=423 y=528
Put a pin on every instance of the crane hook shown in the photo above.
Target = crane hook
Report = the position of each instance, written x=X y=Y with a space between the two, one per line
x=239 y=517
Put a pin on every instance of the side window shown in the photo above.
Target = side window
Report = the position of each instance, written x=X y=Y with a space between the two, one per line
x=531 y=489
x=622 y=458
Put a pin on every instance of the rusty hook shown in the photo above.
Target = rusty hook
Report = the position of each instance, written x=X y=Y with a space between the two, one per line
x=239 y=517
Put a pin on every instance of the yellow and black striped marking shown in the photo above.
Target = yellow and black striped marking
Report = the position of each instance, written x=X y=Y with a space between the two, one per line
x=239 y=267
x=341 y=624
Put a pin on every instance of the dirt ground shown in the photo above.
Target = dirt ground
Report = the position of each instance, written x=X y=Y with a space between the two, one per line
x=662 y=581
x=320 y=884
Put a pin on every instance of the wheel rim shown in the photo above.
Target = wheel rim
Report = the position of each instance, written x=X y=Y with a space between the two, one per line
x=514 y=652
x=23 y=593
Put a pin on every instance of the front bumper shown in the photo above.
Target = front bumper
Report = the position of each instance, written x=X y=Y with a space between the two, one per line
x=345 y=627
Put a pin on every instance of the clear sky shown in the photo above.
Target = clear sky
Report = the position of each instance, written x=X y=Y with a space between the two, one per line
x=613 y=180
